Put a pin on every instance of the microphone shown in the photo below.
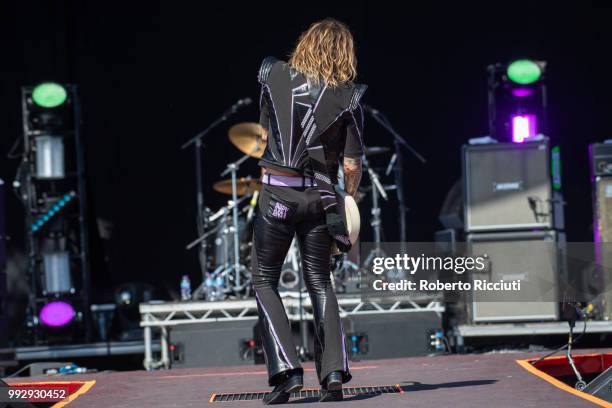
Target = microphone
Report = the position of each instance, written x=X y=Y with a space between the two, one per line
x=244 y=101
x=239 y=104
x=370 y=109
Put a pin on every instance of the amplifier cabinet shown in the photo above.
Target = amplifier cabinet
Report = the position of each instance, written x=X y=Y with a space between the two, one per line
x=530 y=256
x=507 y=186
x=601 y=159
x=602 y=228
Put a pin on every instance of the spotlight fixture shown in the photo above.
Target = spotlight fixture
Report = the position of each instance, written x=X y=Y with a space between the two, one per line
x=49 y=95
x=517 y=100
x=51 y=185
x=57 y=314
x=523 y=127
x=524 y=72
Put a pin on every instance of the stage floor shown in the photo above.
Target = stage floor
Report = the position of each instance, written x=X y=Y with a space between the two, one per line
x=455 y=380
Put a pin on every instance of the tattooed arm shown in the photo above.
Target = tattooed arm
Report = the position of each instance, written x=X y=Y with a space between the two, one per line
x=353 y=150
x=352 y=174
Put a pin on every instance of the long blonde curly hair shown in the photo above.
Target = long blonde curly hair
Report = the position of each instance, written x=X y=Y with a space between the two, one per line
x=326 y=51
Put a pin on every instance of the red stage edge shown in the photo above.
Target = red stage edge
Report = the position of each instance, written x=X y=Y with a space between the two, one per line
x=552 y=367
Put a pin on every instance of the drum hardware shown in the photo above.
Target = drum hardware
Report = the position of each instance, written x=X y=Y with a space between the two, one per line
x=250 y=139
x=345 y=274
x=375 y=221
x=237 y=268
x=211 y=218
x=398 y=142
x=196 y=142
x=375 y=150
x=218 y=235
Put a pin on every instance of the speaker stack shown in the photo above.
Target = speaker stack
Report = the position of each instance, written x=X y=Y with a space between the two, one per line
x=512 y=209
x=601 y=180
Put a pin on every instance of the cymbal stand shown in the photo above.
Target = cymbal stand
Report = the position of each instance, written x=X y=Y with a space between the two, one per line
x=375 y=220
x=237 y=268
x=197 y=142
x=398 y=142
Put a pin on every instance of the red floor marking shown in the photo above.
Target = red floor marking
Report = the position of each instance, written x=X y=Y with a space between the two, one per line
x=234 y=373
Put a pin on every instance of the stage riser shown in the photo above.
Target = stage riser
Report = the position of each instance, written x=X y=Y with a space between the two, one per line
x=210 y=344
x=221 y=344
x=393 y=335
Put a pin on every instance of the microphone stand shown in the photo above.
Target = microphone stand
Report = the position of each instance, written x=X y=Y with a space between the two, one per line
x=196 y=142
x=398 y=142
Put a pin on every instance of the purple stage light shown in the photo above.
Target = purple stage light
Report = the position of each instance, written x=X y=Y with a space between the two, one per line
x=523 y=127
x=57 y=314
x=522 y=92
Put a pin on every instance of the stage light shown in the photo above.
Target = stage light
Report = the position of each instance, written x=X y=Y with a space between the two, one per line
x=524 y=72
x=50 y=157
x=57 y=314
x=61 y=203
x=517 y=97
x=49 y=95
x=523 y=127
x=56 y=273
x=522 y=91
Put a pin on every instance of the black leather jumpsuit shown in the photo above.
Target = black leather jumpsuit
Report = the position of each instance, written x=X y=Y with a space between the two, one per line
x=293 y=109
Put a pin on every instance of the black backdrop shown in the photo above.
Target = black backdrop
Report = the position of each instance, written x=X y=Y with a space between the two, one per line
x=152 y=74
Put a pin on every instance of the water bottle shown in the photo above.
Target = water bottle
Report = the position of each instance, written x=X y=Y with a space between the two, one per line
x=185 y=288
x=209 y=288
x=219 y=288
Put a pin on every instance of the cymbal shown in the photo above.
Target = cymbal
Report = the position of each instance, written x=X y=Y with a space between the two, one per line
x=244 y=185
x=248 y=137
x=373 y=150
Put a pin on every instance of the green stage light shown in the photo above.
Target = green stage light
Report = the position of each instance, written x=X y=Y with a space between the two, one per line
x=524 y=72
x=49 y=95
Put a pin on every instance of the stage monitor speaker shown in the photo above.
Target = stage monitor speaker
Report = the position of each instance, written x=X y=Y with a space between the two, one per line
x=513 y=255
x=602 y=228
x=601 y=386
x=213 y=344
x=390 y=335
x=507 y=186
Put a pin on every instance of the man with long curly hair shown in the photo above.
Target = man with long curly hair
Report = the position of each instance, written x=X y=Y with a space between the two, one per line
x=311 y=110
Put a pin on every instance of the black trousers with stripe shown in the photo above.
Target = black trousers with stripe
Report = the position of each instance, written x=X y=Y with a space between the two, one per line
x=282 y=213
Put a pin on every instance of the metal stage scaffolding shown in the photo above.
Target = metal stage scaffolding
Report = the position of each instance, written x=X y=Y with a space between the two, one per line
x=165 y=315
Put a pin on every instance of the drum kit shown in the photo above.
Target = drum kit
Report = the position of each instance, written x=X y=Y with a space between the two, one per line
x=225 y=240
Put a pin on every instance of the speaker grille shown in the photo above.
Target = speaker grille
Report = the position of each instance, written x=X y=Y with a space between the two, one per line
x=507 y=187
x=514 y=255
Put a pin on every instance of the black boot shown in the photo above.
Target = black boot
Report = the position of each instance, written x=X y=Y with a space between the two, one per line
x=291 y=381
x=331 y=389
